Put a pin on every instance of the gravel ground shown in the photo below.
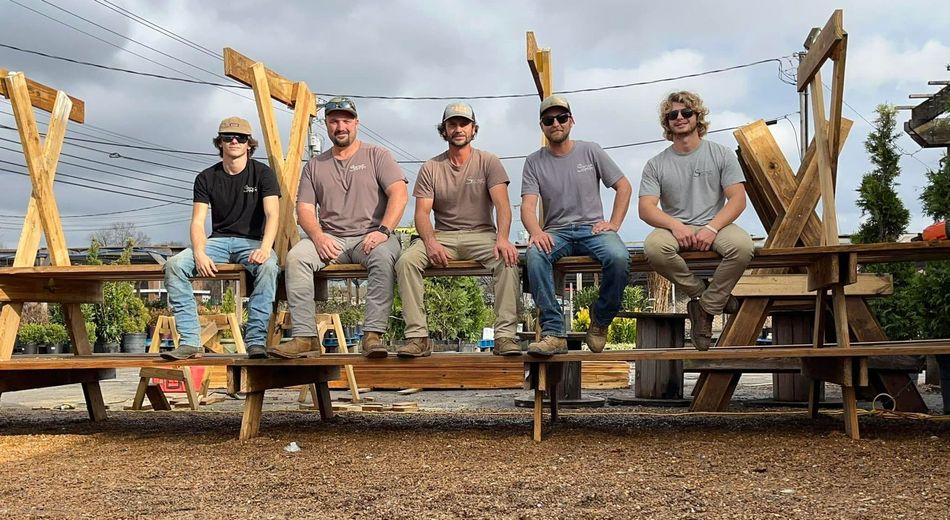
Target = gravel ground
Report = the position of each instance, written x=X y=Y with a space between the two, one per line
x=462 y=461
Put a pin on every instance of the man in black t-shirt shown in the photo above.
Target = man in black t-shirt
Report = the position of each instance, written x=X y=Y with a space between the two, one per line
x=243 y=196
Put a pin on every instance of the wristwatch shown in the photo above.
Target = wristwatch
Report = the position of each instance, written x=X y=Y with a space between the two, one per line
x=384 y=230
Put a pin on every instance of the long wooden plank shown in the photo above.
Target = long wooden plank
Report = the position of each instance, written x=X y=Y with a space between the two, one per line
x=136 y=272
x=862 y=349
x=238 y=67
x=42 y=378
x=44 y=98
x=829 y=216
x=65 y=291
x=821 y=49
x=796 y=285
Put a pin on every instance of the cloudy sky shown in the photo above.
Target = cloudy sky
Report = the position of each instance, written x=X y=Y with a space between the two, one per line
x=435 y=49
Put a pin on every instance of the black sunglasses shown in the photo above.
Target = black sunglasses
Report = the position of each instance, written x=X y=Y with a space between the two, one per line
x=560 y=118
x=673 y=114
x=241 y=138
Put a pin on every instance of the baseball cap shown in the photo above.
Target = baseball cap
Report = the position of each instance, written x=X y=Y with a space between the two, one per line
x=234 y=125
x=458 y=109
x=341 y=103
x=554 y=101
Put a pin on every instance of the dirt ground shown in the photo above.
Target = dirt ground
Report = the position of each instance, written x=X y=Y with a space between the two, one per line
x=462 y=461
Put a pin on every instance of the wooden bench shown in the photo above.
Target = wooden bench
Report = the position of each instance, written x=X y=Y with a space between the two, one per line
x=254 y=377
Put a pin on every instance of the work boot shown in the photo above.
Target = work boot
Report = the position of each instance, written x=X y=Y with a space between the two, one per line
x=732 y=305
x=183 y=352
x=700 y=323
x=300 y=346
x=548 y=346
x=415 y=347
x=256 y=352
x=596 y=337
x=506 y=347
x=372 y=345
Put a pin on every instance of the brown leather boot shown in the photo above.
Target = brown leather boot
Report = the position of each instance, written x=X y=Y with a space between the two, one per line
x=372 y=345
x=548 y=346
x=303 y=346
x=506 y=347
x=596 y=337
x=415 y=347
x=700 y=323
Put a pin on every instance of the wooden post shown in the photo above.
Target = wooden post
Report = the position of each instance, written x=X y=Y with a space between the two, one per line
x=660 y=379
x=268 y=86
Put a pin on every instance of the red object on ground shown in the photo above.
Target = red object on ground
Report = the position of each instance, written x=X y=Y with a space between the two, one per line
x=178 y=387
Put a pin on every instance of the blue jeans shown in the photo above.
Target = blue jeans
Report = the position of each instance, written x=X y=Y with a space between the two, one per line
x=605 y=247
x=222 y=250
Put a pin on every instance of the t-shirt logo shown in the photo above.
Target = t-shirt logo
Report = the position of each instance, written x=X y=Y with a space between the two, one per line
x=473 y=180
x=582 y=168
x=250 y=189
x=357 y=167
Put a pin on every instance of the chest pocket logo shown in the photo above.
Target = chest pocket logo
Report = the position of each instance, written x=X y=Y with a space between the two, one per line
x=250 y=189
x=472 y=181
x=583 y=168
x=357 y=167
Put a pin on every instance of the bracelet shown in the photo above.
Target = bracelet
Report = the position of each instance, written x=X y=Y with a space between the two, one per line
x=714 y=230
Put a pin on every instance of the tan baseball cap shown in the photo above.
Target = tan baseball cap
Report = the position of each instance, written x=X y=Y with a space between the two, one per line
x=235 y=125
x=458 y=109
x=554 y=101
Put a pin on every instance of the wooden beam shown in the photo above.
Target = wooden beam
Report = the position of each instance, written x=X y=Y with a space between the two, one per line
x=259 y=379
x=238 y=67
x=796 y=285
x=534 y=63
x=42 y=378
x=64 y=291
x=823 y=47
x=829 y=215
x=843 y=371
x=44 y=98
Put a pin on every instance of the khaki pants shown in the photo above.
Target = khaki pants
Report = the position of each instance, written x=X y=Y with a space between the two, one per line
x=732 y=242
x=461 y=245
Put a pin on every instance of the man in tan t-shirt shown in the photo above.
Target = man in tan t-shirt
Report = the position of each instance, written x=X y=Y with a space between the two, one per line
x=361 y=194
x=460 y=186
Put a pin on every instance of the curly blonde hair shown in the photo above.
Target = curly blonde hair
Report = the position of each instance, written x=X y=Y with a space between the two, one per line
x=692 y=102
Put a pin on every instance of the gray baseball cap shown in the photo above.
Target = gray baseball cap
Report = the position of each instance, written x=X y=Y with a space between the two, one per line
x=458 y=109
x=554 y=101
x=341 y=103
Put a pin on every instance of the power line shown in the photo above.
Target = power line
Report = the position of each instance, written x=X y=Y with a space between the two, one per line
x=416 y=98
x=109 y=213
x=157 y=28
x=149 y=47
x=97 y=188
x=89 y=168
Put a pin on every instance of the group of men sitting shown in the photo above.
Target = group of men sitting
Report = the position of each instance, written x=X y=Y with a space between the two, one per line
x=351 y=198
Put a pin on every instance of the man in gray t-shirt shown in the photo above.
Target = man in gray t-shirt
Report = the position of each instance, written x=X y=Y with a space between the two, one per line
x=699 y=188
x=350 y=199
x=566 y=176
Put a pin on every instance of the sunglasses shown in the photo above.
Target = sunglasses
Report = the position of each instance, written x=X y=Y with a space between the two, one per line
x=673 y=114
x=227 y=138
x=345 y=104
x=560 y=118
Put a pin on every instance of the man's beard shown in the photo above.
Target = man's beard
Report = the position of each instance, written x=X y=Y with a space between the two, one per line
x=343 y=140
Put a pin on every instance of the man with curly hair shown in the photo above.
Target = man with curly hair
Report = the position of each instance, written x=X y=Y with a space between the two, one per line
x=692 y=192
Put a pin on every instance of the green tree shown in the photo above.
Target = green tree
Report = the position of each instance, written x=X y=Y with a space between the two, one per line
x=932 y=286
x=886 y=219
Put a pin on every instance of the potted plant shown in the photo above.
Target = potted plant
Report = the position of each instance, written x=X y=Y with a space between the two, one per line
x=31 y=335
x=134 y=321
x=55 y=337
